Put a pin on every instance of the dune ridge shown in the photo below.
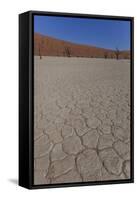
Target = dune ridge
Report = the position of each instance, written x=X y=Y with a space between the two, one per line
x=49 y=46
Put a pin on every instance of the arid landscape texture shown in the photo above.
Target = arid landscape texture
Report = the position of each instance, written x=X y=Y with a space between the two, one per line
x=49 y=46
x=81 y=117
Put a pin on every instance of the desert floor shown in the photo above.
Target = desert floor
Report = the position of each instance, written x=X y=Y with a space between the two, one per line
x=82 y=119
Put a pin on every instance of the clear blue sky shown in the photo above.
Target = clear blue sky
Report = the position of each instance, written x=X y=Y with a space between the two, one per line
x=97 y=32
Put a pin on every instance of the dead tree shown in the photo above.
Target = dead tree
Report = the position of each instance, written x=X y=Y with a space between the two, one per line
x=105 y=55
x=67 y=50
x=40 y=52
x=41 y=44
x=117 y=53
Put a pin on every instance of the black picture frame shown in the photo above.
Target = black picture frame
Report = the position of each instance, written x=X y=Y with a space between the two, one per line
x=26 y=99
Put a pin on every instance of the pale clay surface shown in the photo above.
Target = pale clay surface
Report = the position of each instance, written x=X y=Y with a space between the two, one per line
x=82 y=120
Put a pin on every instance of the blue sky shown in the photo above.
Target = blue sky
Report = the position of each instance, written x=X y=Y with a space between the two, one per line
x=109 y=34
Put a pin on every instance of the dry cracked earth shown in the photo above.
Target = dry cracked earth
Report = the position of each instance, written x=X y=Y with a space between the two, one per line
x=82 y=120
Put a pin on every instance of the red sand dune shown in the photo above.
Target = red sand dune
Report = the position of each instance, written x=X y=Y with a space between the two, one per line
x=48 y=46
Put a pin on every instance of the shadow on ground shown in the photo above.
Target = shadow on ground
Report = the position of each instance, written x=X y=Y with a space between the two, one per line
x=13 y=181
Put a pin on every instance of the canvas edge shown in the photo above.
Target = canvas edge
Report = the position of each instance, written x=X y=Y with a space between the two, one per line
x=30 y=183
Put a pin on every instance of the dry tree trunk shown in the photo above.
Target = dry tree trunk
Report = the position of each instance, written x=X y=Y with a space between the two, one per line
x=105 y=55
x=117 y=53
x=41 y=44
x=67 y=50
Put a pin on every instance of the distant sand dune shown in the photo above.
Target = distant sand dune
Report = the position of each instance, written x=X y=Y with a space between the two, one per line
x=48 y=46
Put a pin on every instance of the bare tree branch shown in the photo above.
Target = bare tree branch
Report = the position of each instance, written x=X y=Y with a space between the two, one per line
x=117 y=53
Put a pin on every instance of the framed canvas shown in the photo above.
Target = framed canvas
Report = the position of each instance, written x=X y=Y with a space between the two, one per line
x=76 y=86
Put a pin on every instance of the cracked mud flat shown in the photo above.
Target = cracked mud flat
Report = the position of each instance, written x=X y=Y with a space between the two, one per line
x=82 y=120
